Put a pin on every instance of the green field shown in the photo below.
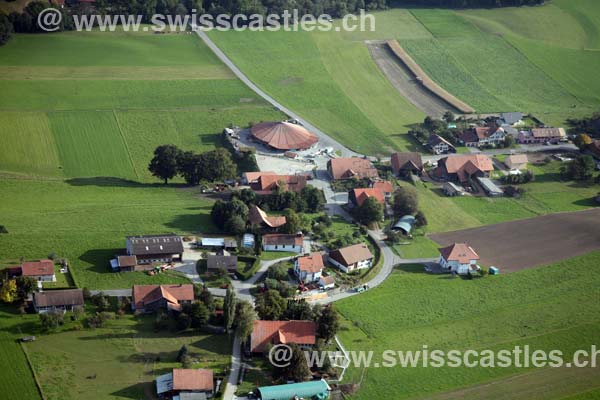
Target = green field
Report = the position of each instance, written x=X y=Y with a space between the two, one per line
x=539 y=307
x=330 y=79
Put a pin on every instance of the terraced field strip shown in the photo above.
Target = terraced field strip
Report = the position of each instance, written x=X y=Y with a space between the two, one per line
x=426 y=81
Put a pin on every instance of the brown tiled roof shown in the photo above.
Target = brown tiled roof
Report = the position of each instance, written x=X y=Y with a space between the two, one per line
x=269 y=183
x=363 y=194
x=253 y=176
x=146 y=294
x=384 y=186
x=466 y=165
x=258 y=216
x=517 y=159
x=460 y=252
x=327 y=280
x=37 y=268
x=281 y=332
x=351 y=254
x=353 y=167
x=221 y=262
x=57 y=298
x=127 y=261
x=283 y=135
x=281 y=239
x=548 y=132
x=405 y=160
x=434 y=140
x=311 y=263
x=193 y=380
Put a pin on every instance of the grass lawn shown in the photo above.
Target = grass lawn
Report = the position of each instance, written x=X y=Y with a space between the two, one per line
x=275 y=255
x=118 y=361
x=420 y=246
x=87 y=220
x=412 y=309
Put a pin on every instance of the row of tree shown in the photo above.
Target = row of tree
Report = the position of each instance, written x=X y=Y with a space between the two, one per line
x=310 y=199
x=212 y=166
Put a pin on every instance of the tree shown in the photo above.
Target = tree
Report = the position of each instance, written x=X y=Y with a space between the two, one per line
x=25 y=285
x=244 y=320
x=189 y=166
x=299 y=310
x=101 y=301
x=509 y=141
x=217 y=165
x=314 y=198
x=581 y=168
x=229 y=306
x=448 y=116
x=328 y=323
x=297 y=370
x=184 y=322
x=3 y=229
x=405 y=201
x=183 y=352
x=235 y=225
x=420 y=219
x=292 y=221
x=270 y=305
x=224 y=211
x=6 y=29
x=247 y=196
x=582 y=141
x=164 y=164
x=199 y=314
x=8 y=292
x=370 y=211
x=207 y=299
x=51 y=320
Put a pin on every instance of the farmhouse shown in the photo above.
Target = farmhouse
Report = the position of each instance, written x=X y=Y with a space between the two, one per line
x=356 y=197
x=57 y=300
x=302 y=333
x=225 y=261
x=516 y=161
x=542 y=135
x=510 y=118
x=252 y=177
x=182 y=383
x=385 y=186
x=260 y=218
x=462 y=168
x=267 y=184
x=42 y=270
x=283 y=135
x=150 y=249
x=482 y=136
x=352 y=258
x=407 y=163
x=349 y=168
x=303 y=390
x=283 y=242
x=439 y=145
x=149 y=298
x=309 y=268
x=459 y=258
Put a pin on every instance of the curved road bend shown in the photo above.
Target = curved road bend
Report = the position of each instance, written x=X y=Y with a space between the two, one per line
x=325 y=139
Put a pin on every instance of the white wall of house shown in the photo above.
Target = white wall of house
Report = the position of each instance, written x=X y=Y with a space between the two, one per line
x=353 y=267
x=282 y=247
x=44 y=278
x=324 y=286
x=305 y=275
x=455 y=266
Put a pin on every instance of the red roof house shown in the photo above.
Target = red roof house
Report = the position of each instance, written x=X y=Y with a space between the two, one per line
x=302 y=333
x=358 y=196
x=42 y=270
x=148 y=298
x=353 y=167
x=459 y=258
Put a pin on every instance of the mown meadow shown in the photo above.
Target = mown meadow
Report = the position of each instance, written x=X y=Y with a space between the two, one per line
x=540 y=307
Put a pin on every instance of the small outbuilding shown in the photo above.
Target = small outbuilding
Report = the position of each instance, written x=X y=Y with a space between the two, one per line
x=303 y=390
x=490 y=188
x=404 y=224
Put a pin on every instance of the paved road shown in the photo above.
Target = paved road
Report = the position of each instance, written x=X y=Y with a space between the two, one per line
x=324 y=139
x=234 y=374
x=520 y=149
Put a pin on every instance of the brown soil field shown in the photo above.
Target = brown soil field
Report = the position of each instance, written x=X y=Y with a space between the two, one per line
x=515 y=245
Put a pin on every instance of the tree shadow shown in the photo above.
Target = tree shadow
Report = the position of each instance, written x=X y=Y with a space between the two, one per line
x=213 y=344
x=137 y=391
x=99 y=259
x=194 y=222
x=105 y=181
x=411 y=268
x=590 y=202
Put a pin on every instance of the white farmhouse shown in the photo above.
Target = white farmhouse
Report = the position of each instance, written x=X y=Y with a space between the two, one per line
x=352 y=258
x=459 y=258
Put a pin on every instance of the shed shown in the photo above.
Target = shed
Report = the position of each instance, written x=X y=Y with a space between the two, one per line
x=404 y=224
x=313 y=389
x=450 y=189
x=490 y=187
x=213 y=242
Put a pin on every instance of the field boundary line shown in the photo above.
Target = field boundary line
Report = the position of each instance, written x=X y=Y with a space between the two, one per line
x=30 y=365
x=126 y=144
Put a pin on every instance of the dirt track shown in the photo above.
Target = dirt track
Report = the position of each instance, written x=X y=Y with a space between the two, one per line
x=516 y=245
x=402 y=79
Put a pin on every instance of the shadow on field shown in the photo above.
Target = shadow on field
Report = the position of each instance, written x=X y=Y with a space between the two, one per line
x=99 y=259
x=133 y=392
x=102 y=181
x=198 y=220
x=587 y=202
